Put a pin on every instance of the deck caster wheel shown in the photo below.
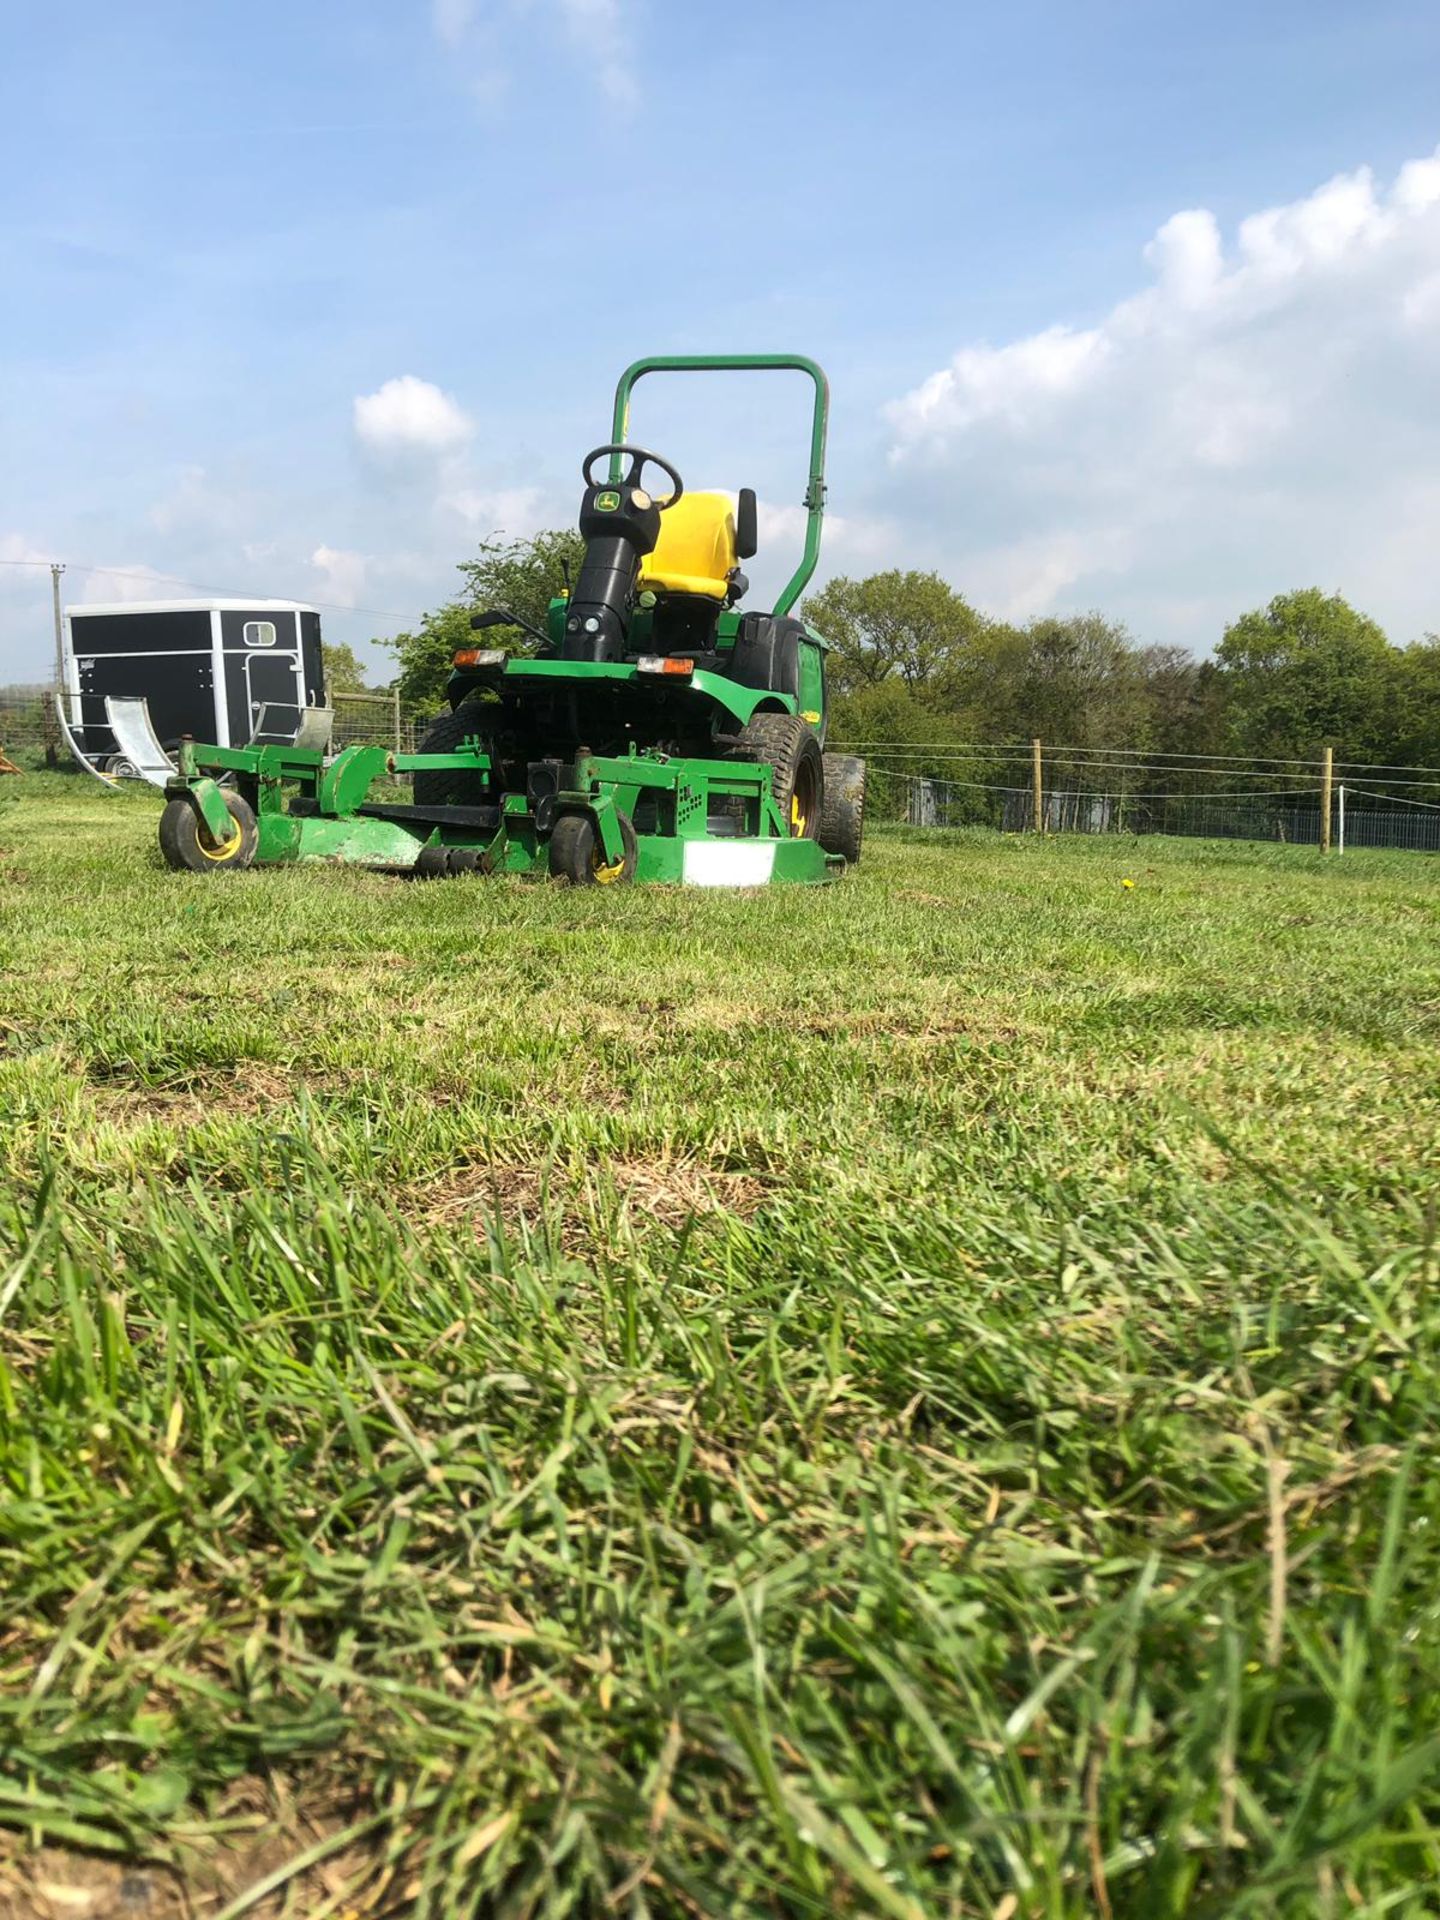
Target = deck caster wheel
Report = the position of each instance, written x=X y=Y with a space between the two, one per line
x=577 y=856
x=189 y=847
x=433 y=863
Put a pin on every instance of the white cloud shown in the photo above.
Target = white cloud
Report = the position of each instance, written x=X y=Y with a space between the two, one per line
x=342 y=574
x=22 y=561
x=510 y=511
x=133 y=580
x=597 y=31
x=407 y=416
x=1248 y=420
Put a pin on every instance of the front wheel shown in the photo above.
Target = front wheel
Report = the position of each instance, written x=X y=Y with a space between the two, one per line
x=577 y=855
x=457 y=786
x=189 y=846
x=797 y=771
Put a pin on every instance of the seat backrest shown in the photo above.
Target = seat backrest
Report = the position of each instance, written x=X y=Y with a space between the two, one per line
x=696 y=549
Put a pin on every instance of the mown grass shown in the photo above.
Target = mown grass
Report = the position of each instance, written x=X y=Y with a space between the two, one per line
x=916 y=1398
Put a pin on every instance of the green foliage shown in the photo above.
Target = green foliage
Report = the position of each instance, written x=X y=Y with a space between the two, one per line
x=521 y=576
x=343 y=672
x=424 y=657
x=1307 y=670
x=915 y=1398
x=1414 y=718
x=913 y=627
x=1077 y=680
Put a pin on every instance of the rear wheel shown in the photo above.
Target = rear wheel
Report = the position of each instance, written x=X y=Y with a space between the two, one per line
x=456 y=786
x=842 y=818
x=797 y=770
x=576 y=854
x=189 y=846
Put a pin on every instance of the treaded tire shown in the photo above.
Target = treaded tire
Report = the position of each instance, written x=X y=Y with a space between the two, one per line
x=797 y=768
x=188 y=848
x=575 y=854
x=454 y=786
x=842 y=818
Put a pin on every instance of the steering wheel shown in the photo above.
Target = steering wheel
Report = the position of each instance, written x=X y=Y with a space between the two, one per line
x=639 y=459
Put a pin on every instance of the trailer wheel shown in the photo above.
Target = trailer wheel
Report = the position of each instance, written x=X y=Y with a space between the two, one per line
x=577 y=856
x=188 y=846
x=842 y=818
x=797 y=770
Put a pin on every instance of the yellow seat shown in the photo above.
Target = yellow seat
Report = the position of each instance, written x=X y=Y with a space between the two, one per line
x=696 y=549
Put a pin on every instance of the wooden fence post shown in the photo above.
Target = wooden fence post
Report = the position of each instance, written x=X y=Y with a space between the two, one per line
x=1037 y=779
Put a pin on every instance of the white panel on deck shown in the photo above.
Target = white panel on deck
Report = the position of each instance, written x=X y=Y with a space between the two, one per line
x=728 y=863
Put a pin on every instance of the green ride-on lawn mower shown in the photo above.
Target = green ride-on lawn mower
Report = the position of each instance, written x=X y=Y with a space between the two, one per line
x=656 y=732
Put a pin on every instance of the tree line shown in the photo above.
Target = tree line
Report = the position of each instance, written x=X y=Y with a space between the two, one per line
x=916 y=668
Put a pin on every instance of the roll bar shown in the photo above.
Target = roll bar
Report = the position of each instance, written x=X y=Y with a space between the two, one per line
x=749 y=363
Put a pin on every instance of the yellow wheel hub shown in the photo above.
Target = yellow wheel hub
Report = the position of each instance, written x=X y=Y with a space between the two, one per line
x=224 y=849
x=797 y=818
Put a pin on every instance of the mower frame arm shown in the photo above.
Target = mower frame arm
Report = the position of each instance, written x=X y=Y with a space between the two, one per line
x=749 y=363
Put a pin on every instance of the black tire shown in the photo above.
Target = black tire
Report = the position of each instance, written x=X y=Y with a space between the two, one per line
x=188 y=846
x=842 y=818
x=576 y=855
x=455 y=786
x=797 y=768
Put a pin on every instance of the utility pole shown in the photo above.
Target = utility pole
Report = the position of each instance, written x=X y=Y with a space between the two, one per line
x=55 y=572
x=1327 y=775
x=1038 y=782
x=52 y=725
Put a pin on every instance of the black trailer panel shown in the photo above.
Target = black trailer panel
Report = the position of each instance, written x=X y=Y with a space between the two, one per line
x=167 y=657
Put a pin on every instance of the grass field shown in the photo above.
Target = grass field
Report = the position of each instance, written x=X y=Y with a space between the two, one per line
x=913 y=1398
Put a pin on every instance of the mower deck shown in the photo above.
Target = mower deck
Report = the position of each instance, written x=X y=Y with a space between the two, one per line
x=651 y=818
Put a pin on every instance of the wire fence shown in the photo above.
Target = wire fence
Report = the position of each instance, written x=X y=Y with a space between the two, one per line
x=1359 y=816
x=29 y=732
x=371 y=720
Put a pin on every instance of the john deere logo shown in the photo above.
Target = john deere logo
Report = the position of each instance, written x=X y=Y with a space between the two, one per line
x=606 y=502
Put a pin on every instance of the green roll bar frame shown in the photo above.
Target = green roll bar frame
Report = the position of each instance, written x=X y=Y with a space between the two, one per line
x=814 y=501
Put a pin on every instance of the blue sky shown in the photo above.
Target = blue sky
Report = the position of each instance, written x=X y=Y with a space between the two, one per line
x=305 y=299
